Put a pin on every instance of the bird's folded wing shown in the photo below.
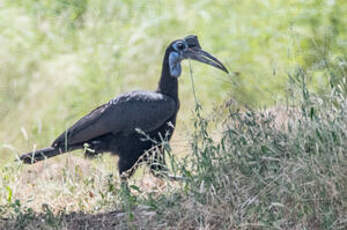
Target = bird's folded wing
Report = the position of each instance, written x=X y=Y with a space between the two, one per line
x=146 y=111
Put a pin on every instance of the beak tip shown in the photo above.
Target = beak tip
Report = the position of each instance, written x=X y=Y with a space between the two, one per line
x=203 y=56
x=223 y=68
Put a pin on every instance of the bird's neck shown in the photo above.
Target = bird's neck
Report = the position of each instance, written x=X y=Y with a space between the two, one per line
x=168 y=85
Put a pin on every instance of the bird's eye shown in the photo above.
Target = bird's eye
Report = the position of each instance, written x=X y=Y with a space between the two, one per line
x=180 y=46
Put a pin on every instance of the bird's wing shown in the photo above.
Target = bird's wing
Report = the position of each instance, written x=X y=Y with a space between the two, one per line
x=139 y=109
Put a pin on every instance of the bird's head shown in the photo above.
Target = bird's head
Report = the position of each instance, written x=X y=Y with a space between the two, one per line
x=189 y=48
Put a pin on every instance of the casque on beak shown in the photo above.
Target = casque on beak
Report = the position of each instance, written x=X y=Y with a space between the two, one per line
x=195 y=52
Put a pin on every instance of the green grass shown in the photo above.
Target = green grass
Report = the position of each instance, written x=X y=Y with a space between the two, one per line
x=246 y=167
x=60 y=59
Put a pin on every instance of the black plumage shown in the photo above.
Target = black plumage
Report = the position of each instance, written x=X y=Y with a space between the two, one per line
x=119 y=125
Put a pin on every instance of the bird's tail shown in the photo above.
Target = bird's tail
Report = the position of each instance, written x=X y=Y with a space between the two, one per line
x=41 y=154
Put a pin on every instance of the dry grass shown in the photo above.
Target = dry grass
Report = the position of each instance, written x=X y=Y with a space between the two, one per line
x=278 y=168
x=260 y=174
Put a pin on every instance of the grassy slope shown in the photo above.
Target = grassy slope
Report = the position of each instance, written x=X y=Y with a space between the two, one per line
x=59 y=59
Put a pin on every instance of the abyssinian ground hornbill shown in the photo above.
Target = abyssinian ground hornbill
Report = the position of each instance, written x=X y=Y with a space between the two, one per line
x=114 y=127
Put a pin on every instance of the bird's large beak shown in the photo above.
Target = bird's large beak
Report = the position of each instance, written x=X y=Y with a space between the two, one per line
x=202 y=56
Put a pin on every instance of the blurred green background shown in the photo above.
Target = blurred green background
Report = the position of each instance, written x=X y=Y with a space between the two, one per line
x=61 y=58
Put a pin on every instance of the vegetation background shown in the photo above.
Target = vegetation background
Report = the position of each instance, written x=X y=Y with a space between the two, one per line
x=61 y=58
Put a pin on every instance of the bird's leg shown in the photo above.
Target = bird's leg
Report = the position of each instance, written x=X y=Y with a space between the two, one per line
x=127 y=166
x=155 y=158
x=157 y=162
x=158 y=165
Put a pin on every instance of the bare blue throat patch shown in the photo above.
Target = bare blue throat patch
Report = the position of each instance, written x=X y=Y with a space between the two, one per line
x=175 y=64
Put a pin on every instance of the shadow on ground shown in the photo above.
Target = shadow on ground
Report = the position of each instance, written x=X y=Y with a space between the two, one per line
x=140 y=218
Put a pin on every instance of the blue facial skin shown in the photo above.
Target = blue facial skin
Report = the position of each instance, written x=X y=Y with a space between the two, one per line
x=176 y=57
x=175 y=64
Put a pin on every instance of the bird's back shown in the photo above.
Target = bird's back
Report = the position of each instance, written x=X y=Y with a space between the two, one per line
x=145 y=110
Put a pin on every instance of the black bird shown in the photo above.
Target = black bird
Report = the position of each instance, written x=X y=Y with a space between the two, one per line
x=114 y=127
